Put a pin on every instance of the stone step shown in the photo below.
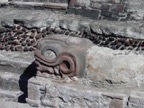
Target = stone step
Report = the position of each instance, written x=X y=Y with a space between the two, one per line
x=52 y=1
x=15 y=62
x=14 y=82
x=7 y=95
x=9 y=81
x=40 y=4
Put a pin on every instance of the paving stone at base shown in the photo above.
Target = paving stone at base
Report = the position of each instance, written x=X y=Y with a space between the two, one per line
x=9 y=95
x=7 y=104
x=9 y=81
x=136 y=100
x=49 y=93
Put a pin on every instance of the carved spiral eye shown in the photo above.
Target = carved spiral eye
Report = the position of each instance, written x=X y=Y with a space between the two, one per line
x=49 y=54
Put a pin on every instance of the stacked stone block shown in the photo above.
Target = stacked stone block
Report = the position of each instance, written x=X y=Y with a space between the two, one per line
x=100 y=9
x=115 y=10
x=53 y=1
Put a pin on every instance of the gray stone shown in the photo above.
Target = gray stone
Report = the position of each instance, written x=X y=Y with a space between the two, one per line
x=4 y=104
x=2 y=30
x=124 y=29
x=84 y=25
x=15 y=62
x=96 y=29
x=117 y=8
x=95 y=4
x=90 y=13
x=105 y=66
x=106 y=13
x=136 y=100
x=7 y=23
x=73 y=25
x=82 y=3
x=116 y=103
x=105 y=7
x=63 y=24
x=69 y=96
x=55 y=24
x=136 y=8
x=53 y=1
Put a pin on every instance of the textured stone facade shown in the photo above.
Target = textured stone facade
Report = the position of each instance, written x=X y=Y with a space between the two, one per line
x=101 y=9
x=115 y=10
x=118 y=10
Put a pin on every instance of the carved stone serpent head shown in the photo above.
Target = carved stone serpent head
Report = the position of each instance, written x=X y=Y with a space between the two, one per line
x=62 y=55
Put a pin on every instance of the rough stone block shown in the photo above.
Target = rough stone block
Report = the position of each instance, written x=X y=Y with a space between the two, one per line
x=106 y=13
x=33 y=91
x=48 y=5
x=105 y=7
x=125 y=29
x=117 y=8
x=116 y=103
x=82 y=3
x=69 y=96
x=53 y=1
x=107 y=1
x=9 y=81
x=3 y=1
x=104 y=67
x=136 y=100
x=111 y=18
x=94 y=14
x=95 y=5
x=115 y=1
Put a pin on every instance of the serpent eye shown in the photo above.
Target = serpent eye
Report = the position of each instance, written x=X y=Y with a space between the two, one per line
x=49 y=54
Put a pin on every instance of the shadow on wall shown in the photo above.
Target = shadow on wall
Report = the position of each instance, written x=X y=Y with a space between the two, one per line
x=23 y=81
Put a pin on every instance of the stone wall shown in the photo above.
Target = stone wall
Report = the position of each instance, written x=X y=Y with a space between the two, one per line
x=118 y=10
x=100 y=9
x=115 y=10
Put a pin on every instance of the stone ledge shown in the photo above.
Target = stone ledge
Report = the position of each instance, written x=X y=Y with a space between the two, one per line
x=48 y=93
x=44 y=18
x=9 y=95
x=39 y=4
x=15 y=62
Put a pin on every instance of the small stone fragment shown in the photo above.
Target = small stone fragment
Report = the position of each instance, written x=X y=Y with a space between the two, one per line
x=19 y=48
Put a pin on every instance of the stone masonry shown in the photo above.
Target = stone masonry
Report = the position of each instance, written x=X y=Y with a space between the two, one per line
x=114 y=10
x=115 y=78
x=117 y=10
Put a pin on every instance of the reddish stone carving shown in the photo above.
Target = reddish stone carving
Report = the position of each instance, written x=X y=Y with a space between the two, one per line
x=62 y=55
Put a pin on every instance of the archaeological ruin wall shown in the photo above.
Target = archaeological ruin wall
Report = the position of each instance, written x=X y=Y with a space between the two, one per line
x=71 y=53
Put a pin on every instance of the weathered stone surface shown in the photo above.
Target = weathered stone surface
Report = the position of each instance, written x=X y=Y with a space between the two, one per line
x=117 y=8
x=95 y=5
x=125 y=29
x=136 y=100
x=82 y=3
x=9 y=81
x=136 y=9
x=53 y=1
x=4 y=104
x=48 y=5
x=73 y=96
x=105 y=66
x=38 y=18
x=116 y=103
x=15 y=62
x=90 y=13
x=108 y=1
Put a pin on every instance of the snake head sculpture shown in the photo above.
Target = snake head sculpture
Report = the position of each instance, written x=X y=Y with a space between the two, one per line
x=62 y=55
